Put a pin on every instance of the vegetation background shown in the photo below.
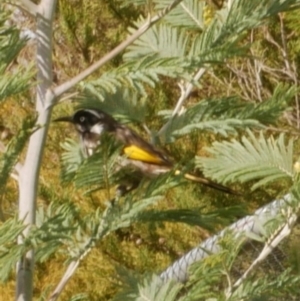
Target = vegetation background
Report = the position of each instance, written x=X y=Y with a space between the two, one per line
x=248 y=81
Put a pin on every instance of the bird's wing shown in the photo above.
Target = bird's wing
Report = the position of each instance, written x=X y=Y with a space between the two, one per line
x=135 y=152
x=136 y=148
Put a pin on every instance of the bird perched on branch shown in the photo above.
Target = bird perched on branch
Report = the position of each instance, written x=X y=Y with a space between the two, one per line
x=138 y=153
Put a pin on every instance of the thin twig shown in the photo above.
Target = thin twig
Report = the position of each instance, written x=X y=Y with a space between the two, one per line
x=188 y=90
x=68 y=274
x=67 y=97
x=102 y=231
x=185 y=92
x=282 y=232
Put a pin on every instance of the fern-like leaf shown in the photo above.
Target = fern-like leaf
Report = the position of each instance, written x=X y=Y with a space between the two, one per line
x=222 y=127
x=15 y=147
x=259 y=158
x=193 y=217
x=266 y=112
x=71 y=159
x=125 y=105
x=209 y=115
x=10 y=252
x=55 y=227
x=149 y=288
x=188 y=14
x=160 y=41
x=10 y=46
x=100 y=170
x=138 y=73
x=225 y=116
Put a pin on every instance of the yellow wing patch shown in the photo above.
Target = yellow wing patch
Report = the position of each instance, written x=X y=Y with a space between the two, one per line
x=135 y=153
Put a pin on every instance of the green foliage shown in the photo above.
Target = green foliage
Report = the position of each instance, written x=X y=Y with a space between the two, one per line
x=98 y=169
x=9 y=251
x=150 y=56
x=266 y=112
x=263 y=159
x=93 y=227
x=212 y=279
x=16 y=81
x=136 y=74
x=151 y=288
x=188 y=14
x=226 y=116
x=222 y=127
x=177 y=53
x=125 y=105
x=77 y=26
x=219 y=36
x=193 y=216
x=162 y=41
x=172 y=50
x=220 y=116
x=55 y=226
x=10 y=43
x=11 y=155
x=12 y=82
x=209 y=115
x=70 y=159
x=134 y=2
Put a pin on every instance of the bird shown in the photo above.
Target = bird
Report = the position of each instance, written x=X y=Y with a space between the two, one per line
x=144 y=157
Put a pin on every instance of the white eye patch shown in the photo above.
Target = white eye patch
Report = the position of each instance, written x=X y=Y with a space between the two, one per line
x=97 y=129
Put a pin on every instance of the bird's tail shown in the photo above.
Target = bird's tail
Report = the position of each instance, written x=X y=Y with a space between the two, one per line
x=207 y=182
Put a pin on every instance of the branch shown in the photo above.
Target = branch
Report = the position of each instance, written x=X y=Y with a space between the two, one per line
x=101 y=230
x=282 y=232
x=25 y=5
x=29 y=174
x=185 y=92
x=59 y=90
x=68 y=274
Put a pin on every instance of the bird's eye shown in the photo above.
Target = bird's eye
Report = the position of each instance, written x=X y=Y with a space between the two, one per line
x=82 y=119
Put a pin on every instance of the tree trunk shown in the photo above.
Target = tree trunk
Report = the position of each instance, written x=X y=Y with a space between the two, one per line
x=29 y=173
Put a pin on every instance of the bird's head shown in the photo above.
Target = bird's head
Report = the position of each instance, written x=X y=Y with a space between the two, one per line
x=90 y=121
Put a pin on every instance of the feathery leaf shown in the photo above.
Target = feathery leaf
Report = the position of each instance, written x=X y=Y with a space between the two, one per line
x=10 y=252
x=160 y=41
x=188 y=14
x=125 y=105
x=10 y=46
x=71 y=159
x=15 y=147
x=259 y=158
x=149 y=288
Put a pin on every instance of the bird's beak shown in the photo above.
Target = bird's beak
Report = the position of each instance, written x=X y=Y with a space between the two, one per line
x=64 y=119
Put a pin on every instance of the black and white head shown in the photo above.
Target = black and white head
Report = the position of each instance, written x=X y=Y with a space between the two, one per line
x=90 y=121
x=90 y=125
